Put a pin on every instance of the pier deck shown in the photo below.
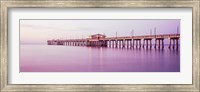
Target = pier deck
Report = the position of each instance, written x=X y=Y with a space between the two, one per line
x=126 y=41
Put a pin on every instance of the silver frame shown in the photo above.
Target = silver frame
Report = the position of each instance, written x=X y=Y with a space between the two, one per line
x=6 y=4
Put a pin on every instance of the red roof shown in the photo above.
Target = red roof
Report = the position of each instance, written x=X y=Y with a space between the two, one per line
x=98 y=35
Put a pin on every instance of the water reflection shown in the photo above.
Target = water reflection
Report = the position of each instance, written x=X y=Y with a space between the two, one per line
x=45 y=58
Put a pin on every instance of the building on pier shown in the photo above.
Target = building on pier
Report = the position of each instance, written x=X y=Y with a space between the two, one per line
x=95 y=40
x=98 y=36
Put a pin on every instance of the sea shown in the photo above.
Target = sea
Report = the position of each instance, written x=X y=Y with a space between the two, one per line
x=59 y=58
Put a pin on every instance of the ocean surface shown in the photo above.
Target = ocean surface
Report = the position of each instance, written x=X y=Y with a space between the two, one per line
x=52 y=58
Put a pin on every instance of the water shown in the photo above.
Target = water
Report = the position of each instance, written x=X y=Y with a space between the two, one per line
x=49 y=58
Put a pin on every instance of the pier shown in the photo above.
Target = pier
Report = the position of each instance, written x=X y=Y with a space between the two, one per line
x=122 y=42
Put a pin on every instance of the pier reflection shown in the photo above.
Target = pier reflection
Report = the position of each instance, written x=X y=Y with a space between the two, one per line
x=97 y=59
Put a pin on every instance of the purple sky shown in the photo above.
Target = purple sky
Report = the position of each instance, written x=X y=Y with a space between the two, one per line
x=39 y=31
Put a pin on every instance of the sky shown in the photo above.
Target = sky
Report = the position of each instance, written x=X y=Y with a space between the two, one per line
x=39 y=31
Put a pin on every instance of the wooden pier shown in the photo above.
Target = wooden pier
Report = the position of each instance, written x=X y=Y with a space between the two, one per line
x=122 y=42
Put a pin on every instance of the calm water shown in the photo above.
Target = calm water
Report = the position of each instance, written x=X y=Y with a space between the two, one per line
x=46 y=58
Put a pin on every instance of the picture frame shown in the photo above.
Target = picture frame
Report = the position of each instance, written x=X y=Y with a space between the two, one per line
x=4 y=51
